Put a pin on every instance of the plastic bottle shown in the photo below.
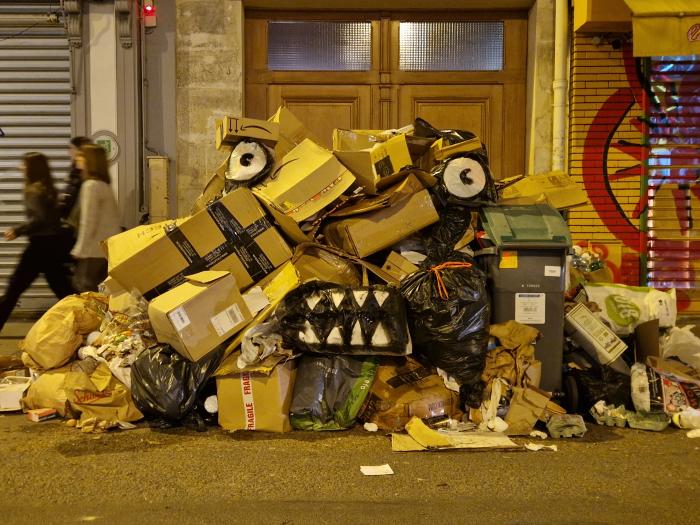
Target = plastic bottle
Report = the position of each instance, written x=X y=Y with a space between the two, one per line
x=688 y=418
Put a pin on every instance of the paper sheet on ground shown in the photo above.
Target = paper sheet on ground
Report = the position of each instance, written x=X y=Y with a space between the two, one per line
x=376 y=470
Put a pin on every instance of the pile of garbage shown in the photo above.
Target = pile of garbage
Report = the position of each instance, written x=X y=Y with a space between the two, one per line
x=390 y=282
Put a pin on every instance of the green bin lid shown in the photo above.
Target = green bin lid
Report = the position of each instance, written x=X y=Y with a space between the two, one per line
x=528 y=225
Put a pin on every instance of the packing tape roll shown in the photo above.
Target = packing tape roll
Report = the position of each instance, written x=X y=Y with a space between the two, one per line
x=464 y=177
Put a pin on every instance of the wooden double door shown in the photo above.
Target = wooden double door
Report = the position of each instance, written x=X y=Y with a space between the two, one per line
x=488 y=103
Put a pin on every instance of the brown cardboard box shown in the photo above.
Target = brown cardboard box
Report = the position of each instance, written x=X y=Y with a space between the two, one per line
x=232 y=234
x=398 y=266
x=440 y=150
x=291 y=132
x=405 y=388
x=375 y=167
x=255 y=401
x=200 y=314
x=231 y=130
x=307 y=179
x=408 y=209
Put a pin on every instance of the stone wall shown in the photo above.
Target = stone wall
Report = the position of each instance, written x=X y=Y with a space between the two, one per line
x=209 y=47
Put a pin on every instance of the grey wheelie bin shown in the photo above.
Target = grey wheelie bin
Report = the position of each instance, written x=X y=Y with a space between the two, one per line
x=526 y=270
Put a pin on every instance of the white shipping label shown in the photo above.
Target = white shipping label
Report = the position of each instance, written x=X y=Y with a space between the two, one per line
x=227 y=320
x=530 y=308
x=179 y=318
x=552 y=271
x=248 y=403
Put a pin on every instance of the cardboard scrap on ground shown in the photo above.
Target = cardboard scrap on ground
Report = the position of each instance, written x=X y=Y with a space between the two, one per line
x=376 y=470
x=421 y=437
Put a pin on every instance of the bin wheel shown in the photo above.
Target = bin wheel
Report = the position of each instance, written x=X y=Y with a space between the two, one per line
x=572 y=397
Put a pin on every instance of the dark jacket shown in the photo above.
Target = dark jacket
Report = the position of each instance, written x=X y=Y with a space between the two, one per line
x=42 y=214
x=69 y=198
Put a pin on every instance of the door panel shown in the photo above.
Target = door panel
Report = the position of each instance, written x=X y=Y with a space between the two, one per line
x=477 y=108
x=323 y=108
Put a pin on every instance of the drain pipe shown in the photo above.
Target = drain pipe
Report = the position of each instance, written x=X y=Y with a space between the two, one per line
x=560 y=85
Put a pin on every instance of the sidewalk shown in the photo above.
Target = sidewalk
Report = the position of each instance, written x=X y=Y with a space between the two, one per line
x=12 y=333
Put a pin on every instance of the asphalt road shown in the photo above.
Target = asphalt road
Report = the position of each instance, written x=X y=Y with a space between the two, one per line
x=54 y=474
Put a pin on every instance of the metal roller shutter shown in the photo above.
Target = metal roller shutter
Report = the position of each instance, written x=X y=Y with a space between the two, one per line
x=35 y=90
x=673 y=179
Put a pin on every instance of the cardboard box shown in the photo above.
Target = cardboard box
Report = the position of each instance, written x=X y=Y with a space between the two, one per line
x=232 y=234
x=255 y=401
x=398 y=266
x=526 y=406
x=599 y=341
x=440 y=150
x=291 y=132
x=36 y=415
x=556 y=189
x=231 y=130
x=374 y=167
x=307 y=179
x=200 y=314
x=408 y=209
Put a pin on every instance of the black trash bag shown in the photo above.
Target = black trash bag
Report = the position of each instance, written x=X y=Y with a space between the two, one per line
x=166 y=385
x=329 y=391
x=449 y=321
x=444 y=235
x=584 y=388
x=329 y=318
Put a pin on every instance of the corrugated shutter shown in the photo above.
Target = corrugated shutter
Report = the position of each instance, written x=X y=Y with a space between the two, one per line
x=34 y=116
x=673 y=178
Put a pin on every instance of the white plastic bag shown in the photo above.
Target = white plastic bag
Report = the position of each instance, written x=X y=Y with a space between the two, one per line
x=683 y=344
x=626 y=307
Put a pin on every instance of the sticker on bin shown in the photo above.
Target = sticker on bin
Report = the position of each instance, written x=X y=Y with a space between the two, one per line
x=552 y=271
x=179 y=319
x=227 y=320
x=530 y=308
x=509 y=260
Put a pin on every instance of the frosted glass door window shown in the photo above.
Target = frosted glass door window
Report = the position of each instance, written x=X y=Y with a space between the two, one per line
x=451 y=46
x=319 y=46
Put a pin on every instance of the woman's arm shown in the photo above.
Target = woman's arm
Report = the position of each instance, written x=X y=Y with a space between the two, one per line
x=37 y=214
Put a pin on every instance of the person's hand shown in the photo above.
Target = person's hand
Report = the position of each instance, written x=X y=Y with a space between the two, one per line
x=10 y=235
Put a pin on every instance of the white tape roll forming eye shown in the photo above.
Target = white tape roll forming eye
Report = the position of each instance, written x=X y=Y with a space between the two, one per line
x=464 y=177
x=248 y=159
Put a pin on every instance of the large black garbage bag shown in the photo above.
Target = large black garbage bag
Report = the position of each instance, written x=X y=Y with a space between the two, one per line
x=444 y=236
x=330 y=318
x=166 y=385
x=584 y=388
x=329 y=391
x=448 y=311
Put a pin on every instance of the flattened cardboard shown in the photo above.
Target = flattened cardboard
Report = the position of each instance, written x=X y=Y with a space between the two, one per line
x=398 y=266
x=214 y=187
x=200 y=314
x=308 y=179
x=231 y=130
x=424 y=438
x=411 y=209
x=291 y=132
x=556 y=189
x=252 y=401
x=440 y=150
x=232 y=234
x=374 y=166
x=646 y=337
x=526 y=407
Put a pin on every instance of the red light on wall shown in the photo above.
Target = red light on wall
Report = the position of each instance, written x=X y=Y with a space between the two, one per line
x=149 y=13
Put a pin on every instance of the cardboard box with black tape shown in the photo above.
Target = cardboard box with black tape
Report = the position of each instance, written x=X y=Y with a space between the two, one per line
x=231 y=234
x=231 y=130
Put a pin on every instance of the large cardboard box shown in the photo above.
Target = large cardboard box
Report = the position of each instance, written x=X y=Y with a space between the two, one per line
x=255 y=401
x=308 y=179
x=231 y=130
x=375 y=167
x=368 y=227
x=291 y=132
x=231 y=234
x=200 y=314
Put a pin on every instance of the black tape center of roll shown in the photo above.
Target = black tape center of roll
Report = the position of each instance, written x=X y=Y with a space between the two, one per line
x=246 y=159
x=238 y=240
x=464 y=176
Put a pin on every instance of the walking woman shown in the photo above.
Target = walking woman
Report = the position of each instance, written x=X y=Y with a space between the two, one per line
x=68 y=199
x=49 y=243
x=99 y=218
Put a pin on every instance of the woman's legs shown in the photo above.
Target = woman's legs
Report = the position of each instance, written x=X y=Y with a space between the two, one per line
x=26 y=271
